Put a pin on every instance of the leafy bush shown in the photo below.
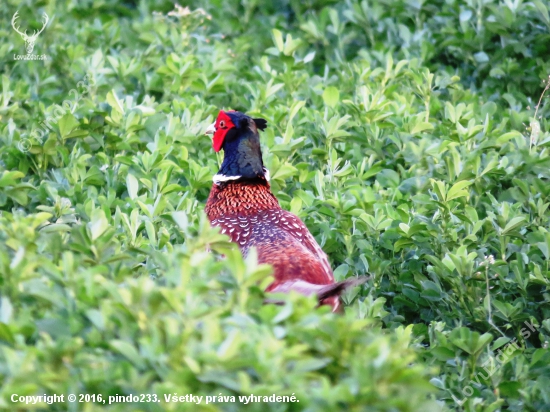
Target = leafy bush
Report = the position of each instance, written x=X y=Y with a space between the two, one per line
x=409 y=137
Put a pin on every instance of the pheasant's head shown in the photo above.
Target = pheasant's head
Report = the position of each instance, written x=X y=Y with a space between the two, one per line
x=230 y=125
x=237 y=134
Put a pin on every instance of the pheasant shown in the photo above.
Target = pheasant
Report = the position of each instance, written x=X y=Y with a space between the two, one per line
x=243 y=206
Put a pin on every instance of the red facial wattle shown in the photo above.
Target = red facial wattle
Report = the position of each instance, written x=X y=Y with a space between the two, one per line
x=223 y=125
x=217 y=140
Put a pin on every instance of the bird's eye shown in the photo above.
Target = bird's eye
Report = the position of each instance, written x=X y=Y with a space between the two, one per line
x=222 y=124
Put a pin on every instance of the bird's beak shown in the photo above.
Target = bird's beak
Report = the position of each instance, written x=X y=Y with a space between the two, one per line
x=211 y=129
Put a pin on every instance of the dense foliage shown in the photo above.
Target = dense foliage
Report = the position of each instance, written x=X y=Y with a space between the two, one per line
x=407 y=135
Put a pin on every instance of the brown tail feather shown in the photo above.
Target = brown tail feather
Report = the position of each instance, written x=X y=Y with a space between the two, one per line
x=322 y=291
x=336 y=289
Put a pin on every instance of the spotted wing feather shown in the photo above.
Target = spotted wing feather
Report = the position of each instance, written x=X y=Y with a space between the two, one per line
x=282 y=240
x=296 y=227
x=251 y=216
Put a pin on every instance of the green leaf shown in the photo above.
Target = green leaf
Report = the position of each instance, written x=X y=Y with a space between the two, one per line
x=504 y=138
x=77 y=134
x=341 y=271
x=98 y=224
x=114 y=102
x=9 y=178
x=278 y=40
x=421 y=126
x=132 y=186
x=6 y=310
x=543 y=11
x=402 y=243
x=56 y=227
x=404 y=227
x=67 y=124
x=331 y=96
x=499 y=343
x=457 y=191
x=512 y=225
x=128 y=351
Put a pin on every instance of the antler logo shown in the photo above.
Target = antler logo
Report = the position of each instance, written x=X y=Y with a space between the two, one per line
x=30 y=40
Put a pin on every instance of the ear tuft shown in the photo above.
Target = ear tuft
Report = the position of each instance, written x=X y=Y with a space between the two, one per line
x=260 y=123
